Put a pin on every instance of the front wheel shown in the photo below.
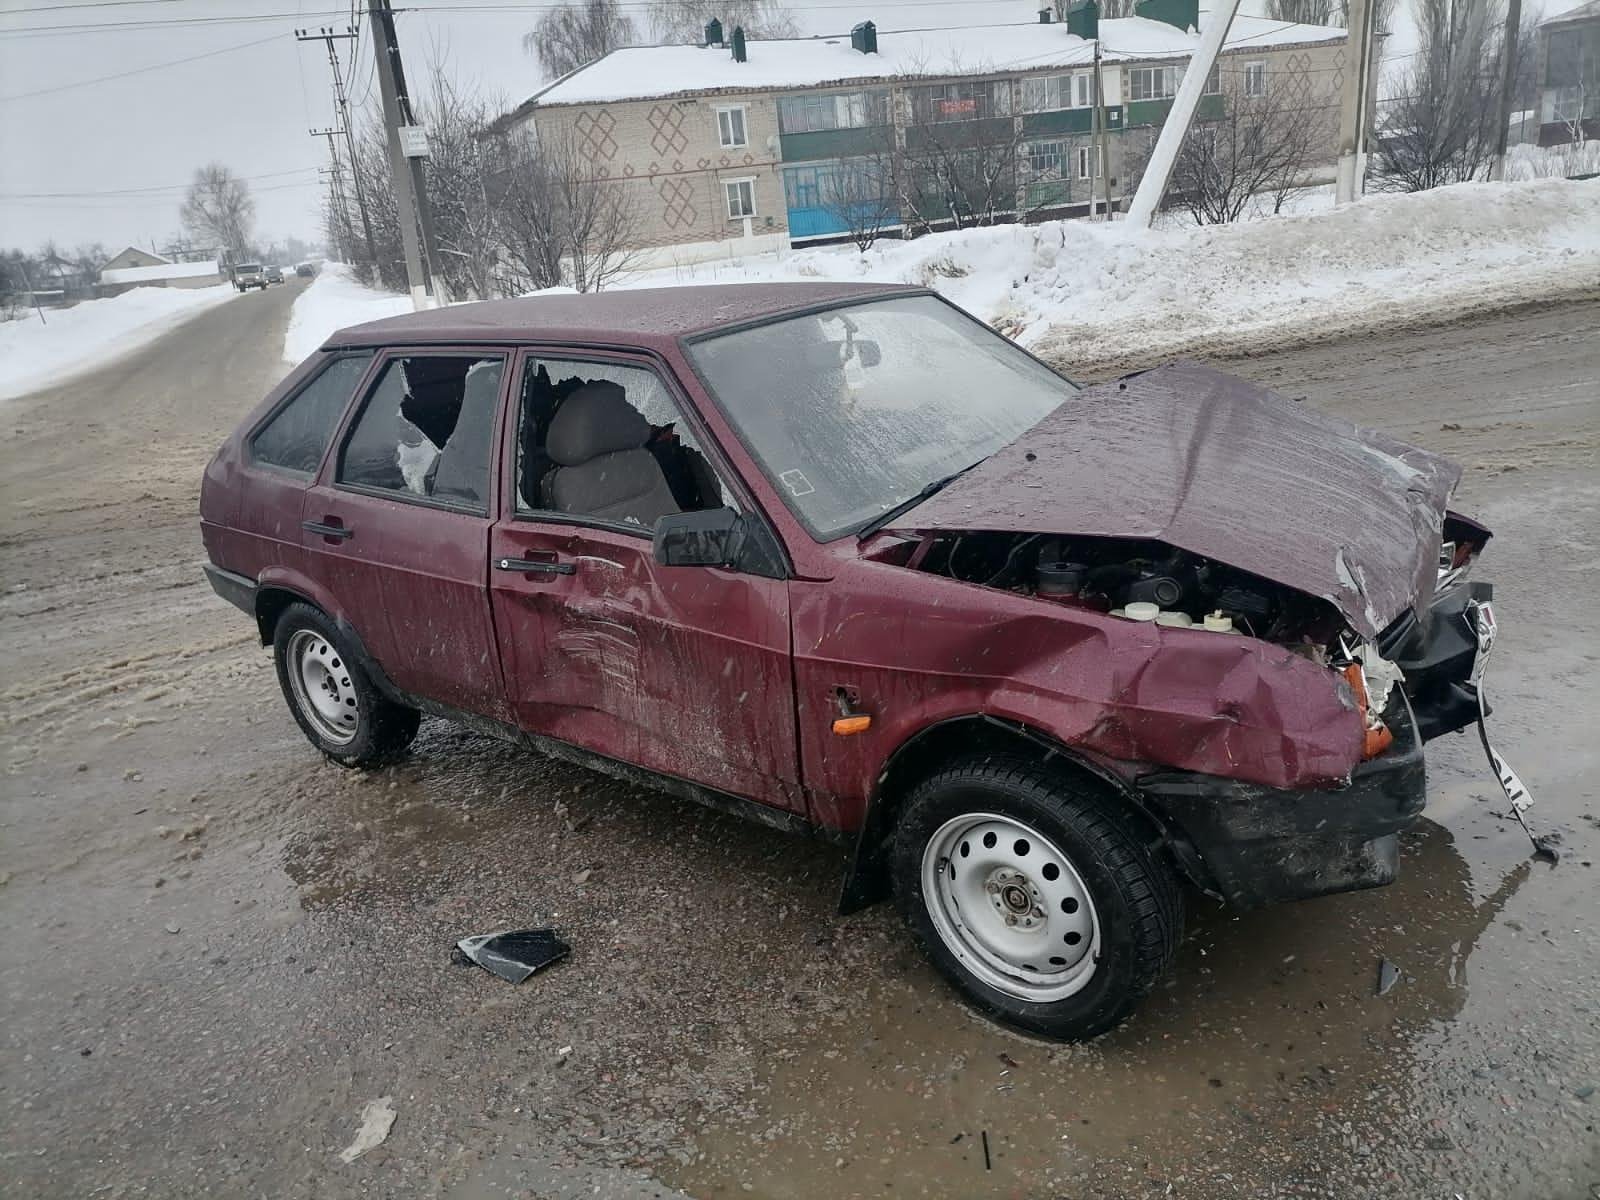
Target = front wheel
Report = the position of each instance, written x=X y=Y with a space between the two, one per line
x=1038 y=899
x=333 y=699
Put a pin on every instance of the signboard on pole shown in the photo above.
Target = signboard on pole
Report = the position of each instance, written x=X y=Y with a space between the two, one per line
x=414 y=141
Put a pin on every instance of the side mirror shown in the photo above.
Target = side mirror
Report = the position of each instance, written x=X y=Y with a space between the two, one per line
x=868 y=352
x=709 y=538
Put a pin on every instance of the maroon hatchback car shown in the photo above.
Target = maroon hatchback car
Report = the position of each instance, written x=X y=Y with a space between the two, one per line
x=844 y=558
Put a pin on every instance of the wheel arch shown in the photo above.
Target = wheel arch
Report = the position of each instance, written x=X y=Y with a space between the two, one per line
x=866 y=879
x=275 y=597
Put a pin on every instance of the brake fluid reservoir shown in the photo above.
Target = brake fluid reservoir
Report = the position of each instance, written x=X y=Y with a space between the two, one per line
x=1142 y=610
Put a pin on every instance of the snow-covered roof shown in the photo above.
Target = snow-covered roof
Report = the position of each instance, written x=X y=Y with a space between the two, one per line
x=643 y=72
x=1584 y=12
x=192 y=270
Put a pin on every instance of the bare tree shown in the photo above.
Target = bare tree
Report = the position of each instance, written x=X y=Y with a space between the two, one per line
x=686 y=20
x=1263 y=144
x=572 y=35
x=1438 y=125
x=859 y=194
x=219 y=209
x=1109 y=9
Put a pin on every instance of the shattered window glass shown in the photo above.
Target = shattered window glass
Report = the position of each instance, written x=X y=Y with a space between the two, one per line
x=298 y=434
x=854 y=410
x=426 y=430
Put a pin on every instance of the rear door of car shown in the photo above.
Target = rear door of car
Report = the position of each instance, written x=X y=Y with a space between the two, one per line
x=682 y=670
x=399 y=522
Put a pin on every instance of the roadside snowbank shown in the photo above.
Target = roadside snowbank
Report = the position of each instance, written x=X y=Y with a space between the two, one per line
x=332 y=301
x=70 y=341
x=1091 y=294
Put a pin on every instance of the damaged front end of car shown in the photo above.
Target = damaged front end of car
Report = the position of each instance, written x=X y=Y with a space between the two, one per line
x=1284 y=600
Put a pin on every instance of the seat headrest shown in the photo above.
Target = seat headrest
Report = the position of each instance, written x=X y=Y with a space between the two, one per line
x=596 y=419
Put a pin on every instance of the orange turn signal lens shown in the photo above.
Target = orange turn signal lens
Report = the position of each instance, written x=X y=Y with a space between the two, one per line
x=845 y=726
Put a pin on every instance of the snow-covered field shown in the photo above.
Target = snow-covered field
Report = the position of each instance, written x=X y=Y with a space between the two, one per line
x=333 y=301
x=72 y=340
x=1092 y=293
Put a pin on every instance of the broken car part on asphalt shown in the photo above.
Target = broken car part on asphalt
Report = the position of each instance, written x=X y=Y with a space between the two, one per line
x=515 y=954
x=1042 y=651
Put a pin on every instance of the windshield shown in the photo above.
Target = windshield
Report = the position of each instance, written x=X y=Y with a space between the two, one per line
x=248 y=267
x=855 y=410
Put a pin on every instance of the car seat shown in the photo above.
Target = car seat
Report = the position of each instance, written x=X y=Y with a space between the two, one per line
x=597 y=441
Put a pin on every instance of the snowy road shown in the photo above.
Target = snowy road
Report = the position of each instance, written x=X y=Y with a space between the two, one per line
x=218 y=950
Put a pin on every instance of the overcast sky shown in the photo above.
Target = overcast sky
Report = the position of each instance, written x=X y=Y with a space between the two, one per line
x=87 y=158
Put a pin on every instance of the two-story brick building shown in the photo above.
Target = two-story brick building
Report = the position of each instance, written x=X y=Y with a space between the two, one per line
x=729 y=149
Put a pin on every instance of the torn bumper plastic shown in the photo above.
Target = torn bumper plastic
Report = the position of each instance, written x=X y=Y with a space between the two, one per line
x=1441 y=660
x=1258 y=845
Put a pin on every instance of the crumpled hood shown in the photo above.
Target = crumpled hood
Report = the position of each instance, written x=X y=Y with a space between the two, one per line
x=1223 y=468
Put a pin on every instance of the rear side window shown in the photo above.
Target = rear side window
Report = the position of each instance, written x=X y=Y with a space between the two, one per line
x=297 y=435
x=426 y=428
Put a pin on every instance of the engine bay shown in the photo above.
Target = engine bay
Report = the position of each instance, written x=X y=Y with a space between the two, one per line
x=1136 y=580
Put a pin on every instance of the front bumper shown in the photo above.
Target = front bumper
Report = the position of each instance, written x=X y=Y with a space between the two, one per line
x=1256 y=846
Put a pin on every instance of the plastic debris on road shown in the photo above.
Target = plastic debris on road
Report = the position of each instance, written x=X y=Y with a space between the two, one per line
x=515 y=954
x=377 y=1118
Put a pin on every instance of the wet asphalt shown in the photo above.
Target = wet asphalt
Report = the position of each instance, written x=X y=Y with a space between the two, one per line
x=218 y=949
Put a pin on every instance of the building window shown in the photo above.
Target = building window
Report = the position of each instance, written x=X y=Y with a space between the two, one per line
x=730 y=128
x=1045 y=159
x=1214 y=80
x=1153 y=83
x=1255 y=80
x=840 y=110
x=1085 y=164
x=961 y=101
x=1047 y=93
x=741 y=195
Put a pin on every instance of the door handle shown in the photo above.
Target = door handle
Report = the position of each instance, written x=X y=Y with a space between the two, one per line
x=337 y=532
x=535 y=566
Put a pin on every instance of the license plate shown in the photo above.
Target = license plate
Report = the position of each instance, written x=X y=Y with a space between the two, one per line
x=1481 y=614
x=1516 y=791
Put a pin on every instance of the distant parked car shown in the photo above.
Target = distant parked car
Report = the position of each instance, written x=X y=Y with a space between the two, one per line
x=844 y=558
x=305 y=270
x=249 y=275
x=274 y=274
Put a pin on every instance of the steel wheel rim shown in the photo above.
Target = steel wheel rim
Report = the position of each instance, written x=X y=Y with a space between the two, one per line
x=323 y=688
x=979 y=869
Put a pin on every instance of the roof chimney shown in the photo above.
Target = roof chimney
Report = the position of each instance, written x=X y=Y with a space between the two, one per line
x=713 y=32
x=1083 y=19
x=864 y=37
x=738 y=44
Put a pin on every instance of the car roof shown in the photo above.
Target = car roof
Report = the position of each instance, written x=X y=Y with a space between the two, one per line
x=634 y=316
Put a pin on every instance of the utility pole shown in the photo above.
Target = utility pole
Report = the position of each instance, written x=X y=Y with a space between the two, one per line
x=336 y=191
x=1510 y=51
x=326 y=34
x=1162 y=159
x=408 y=146
x=1101 y=151
x=1349 y=182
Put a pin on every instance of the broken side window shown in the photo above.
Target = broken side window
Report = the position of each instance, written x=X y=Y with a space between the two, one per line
x=425 y=430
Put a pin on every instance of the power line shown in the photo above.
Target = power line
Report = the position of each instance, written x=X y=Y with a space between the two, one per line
x=169 y=187
x=93 y=4
x=67 y=87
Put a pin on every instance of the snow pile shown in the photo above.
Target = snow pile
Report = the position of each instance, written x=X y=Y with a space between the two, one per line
x=333 y=301
x=70 y=341
x=1089 y=293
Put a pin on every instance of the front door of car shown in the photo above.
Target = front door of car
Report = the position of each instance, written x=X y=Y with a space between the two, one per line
x=682 y=670
x=400 y=523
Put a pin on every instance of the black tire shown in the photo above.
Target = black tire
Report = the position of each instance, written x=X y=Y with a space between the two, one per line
x=1134 y=892
x=375 y=730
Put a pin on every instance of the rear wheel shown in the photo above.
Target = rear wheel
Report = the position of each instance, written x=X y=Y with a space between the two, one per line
x=332 y=697
x=1037 y=898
